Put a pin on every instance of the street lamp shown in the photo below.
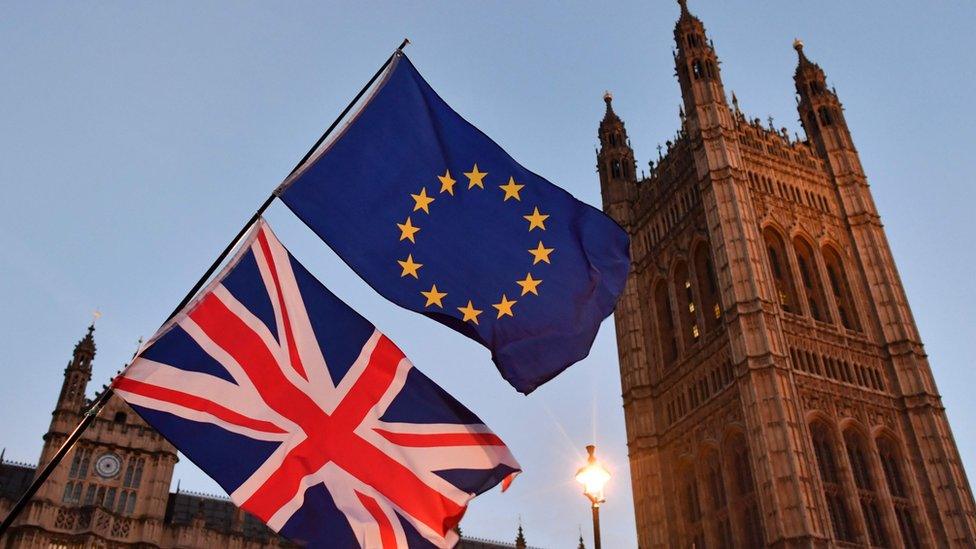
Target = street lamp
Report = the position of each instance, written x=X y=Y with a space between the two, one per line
x=593 y=476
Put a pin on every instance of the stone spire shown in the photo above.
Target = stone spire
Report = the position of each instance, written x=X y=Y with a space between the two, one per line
x=615 y=164
x=685 y=14
x=77 y=373
x=803 y=60
x=697 y=68
x=520 y=538
x=822 y=115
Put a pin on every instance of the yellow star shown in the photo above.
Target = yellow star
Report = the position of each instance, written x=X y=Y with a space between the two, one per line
x=407 y=230
x=470 y=313
x=505 y=307
x=541 y=253
x=529 y=284
x=536 y=219
x=511 y=189
x=422 y=201
x=475 y=177
x=434 y=297
x=409 y=267
x=447 y=182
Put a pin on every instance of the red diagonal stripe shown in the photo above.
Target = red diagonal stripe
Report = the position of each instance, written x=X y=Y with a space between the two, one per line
x=387 y=535
x=433 y=440
x=194 y=403
x=296 y=360
x=398 y=483
x=285 y=482
x=235 y=337
x=372 y=384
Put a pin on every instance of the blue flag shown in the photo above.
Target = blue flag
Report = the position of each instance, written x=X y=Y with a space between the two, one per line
x=439 y=219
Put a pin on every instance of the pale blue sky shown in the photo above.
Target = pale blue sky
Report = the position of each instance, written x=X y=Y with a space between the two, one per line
x=136 y=137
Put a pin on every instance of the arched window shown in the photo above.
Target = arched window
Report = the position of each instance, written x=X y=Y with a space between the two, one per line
x=85 y=461
x=707 y=287
x=129 y=470
x=131 y=504
x=76 y=495
x=810 y=276
x=833 y=486
x=137 y=478
x=687 y=309
x=891 y=461
x=857 y=455
x=615 y=170
x=691 y=507
x=666 y=336
x=841 y=289
x=742 y=498
x=782 y=274
x=123 y=496
x=825 y=117
x=90 y=495
x=710 y=69
x=696 y=69
x=68 y=489
x=110 y=499
x=716 y=509
x=75 y=464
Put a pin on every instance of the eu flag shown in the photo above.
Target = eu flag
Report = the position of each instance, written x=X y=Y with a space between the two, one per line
x=439 y=219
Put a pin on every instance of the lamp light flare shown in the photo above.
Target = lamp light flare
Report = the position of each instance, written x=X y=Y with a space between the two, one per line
x=594 y=477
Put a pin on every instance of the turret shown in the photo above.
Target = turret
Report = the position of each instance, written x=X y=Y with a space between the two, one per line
x=822 y=116
x=77 y=374
x=520 y=539
x=615 y=164
x=697 y=68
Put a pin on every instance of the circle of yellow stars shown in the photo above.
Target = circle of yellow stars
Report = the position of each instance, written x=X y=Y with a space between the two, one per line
x=434 y=297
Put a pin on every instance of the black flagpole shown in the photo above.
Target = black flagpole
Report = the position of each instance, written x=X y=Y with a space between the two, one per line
x=96 y=406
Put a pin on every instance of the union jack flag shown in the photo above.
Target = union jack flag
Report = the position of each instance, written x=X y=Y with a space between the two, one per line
x=309 y=417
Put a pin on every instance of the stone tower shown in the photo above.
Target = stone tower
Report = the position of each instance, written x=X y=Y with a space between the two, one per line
x=113 y=485
x=775 y=387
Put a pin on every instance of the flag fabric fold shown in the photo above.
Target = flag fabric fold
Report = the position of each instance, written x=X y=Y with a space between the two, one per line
x=310 y=418
x=439 y=219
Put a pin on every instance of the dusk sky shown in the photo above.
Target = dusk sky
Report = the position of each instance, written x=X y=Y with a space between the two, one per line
x=136 y=138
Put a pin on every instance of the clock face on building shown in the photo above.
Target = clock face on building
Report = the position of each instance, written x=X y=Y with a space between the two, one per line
x=108 y=466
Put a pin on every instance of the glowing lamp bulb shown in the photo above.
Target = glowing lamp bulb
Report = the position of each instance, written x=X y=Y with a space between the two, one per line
x=593 y=476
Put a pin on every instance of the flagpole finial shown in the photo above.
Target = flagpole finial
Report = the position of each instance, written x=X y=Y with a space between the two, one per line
x=96 y=314
x=405 y=43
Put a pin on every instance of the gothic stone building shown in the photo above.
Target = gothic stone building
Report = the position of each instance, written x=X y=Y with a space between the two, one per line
x=775 y=388
x=112 y=489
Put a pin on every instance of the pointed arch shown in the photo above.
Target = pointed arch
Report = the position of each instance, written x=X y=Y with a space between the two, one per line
x=711 y=308
x=806 y=262
x=716 y=508
x=826 y=117
x=666 y=337
x=859 y=457
x=825 y=450
x=743 y=501
x=690 y=504
x=684 y=293
x=841 y=288
x=891 y=456
x=779 y=266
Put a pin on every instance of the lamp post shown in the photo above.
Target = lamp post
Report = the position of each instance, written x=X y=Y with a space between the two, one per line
x=593 y=476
